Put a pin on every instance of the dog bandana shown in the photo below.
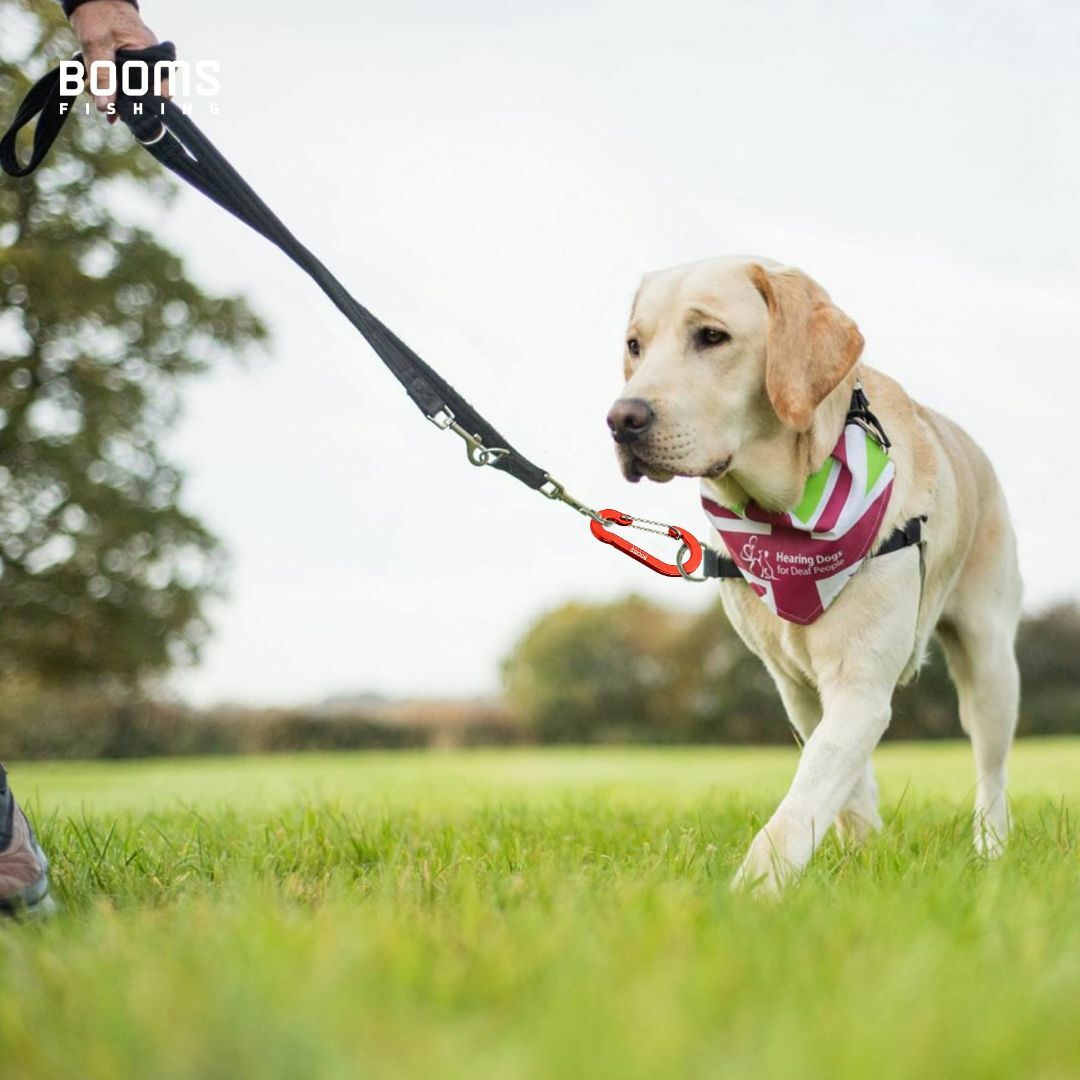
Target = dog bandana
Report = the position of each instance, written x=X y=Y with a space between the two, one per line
x=797 y=562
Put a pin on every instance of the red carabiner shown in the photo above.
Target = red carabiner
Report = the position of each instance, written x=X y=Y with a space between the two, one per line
x=617 y=517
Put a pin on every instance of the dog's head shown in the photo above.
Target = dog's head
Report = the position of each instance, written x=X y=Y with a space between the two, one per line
x=720 y=355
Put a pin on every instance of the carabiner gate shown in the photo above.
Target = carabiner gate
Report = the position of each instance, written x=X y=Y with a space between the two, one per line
x=604 y=534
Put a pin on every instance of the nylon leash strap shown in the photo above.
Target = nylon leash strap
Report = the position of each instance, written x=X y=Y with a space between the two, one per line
x=177 y=143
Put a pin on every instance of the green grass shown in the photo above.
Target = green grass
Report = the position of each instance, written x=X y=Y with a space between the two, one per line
x=537 y=914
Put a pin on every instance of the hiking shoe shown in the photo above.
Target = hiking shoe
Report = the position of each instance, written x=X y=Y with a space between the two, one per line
x=24 y=870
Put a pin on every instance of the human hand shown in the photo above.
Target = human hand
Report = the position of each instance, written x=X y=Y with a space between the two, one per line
x=102 y=27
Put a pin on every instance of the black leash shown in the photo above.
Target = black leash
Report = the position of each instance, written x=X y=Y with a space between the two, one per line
x=177 y=143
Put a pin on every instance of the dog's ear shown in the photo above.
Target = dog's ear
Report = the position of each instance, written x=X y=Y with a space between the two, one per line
x=810 y=347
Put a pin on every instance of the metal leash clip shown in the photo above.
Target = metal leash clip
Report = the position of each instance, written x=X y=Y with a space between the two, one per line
x=689 y=554
x=683 y=567
x=475 y=450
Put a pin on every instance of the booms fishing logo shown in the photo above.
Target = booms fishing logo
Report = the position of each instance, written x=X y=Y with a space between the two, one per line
x=177 y=79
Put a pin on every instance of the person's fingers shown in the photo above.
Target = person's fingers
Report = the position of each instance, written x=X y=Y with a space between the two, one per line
x=98 y=52
x=102 y=28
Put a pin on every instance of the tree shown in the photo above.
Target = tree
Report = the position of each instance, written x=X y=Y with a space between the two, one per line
x=587 y=672
x=728 y=695
x=102 y=572
x=1048 y=649
x=634 y=670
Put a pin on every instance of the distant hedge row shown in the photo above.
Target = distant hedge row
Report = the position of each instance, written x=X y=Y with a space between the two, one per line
x=629 y=671
x=100 y=723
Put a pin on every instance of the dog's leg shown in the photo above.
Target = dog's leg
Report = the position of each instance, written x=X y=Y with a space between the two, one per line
x=833 y=760
x=982 y=662
x=859 y=817
x=801 y=703
x=856 y=672
x=978 y=634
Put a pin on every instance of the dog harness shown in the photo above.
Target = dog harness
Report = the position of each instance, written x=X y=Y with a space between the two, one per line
x=798 y=561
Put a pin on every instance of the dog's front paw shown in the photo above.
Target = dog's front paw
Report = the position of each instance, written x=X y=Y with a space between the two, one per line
x=856 y=826
x=765 y=871
x=991 y=834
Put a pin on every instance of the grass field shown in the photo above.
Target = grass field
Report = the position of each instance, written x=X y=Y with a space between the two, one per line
x=537 y=914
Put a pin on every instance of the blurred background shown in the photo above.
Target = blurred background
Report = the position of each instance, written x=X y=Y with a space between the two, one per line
x=223 y=528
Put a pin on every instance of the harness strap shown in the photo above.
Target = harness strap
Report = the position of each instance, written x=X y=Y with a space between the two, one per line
x=859 y=412
x=906 y=535
x=175 y=141
x=715 y=565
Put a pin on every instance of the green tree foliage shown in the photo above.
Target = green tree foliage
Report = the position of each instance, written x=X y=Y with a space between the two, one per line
x=588 y=671
x=635 y=670
x=632 y=670
x=1049 y=653
x=103 y=572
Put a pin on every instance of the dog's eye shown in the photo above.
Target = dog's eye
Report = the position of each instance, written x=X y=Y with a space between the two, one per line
x=709 y=336
x=634 y=346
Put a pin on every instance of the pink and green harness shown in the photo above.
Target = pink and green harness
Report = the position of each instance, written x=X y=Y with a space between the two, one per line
x=798 y=561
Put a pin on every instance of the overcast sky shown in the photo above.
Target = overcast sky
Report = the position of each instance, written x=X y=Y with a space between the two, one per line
x=492 y=179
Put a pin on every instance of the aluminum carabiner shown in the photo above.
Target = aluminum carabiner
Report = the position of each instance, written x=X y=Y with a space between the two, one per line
x=604 y=534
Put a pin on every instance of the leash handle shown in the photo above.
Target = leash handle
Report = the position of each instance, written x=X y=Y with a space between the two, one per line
x=44 y=101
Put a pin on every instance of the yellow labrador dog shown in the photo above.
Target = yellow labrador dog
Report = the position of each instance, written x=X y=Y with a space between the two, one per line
x=740 y=372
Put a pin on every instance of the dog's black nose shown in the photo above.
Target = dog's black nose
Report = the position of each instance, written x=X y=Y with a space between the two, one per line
x=629 y=419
